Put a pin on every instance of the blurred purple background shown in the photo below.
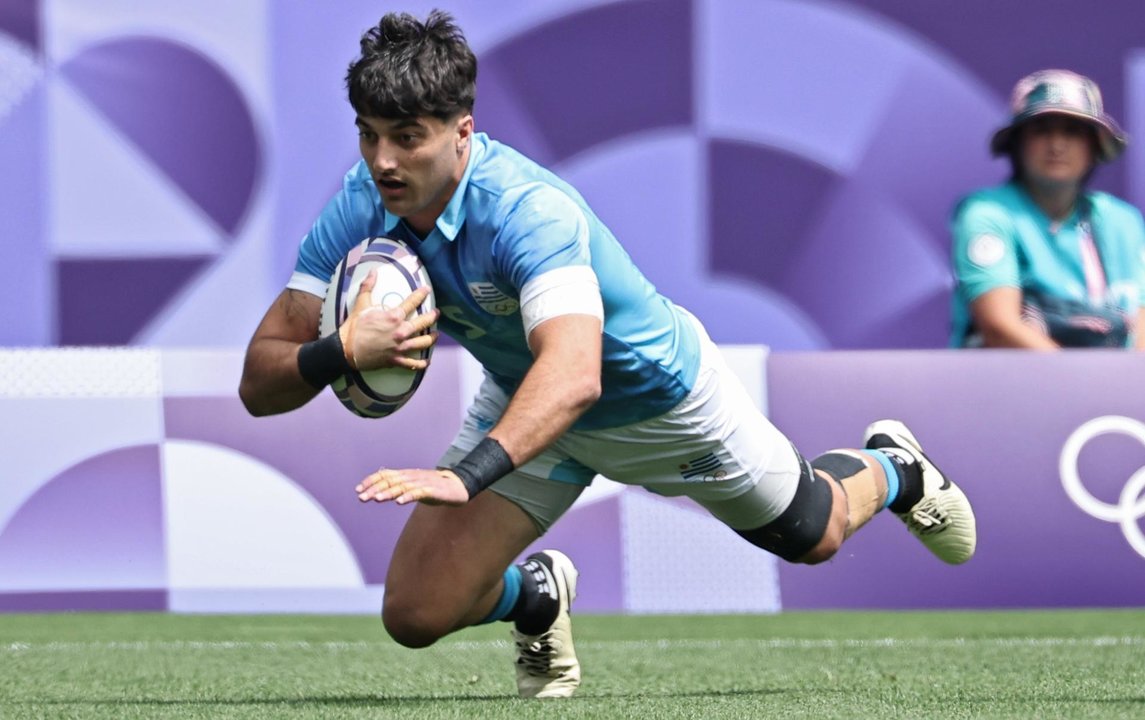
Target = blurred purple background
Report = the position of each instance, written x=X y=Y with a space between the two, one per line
x=791 y=164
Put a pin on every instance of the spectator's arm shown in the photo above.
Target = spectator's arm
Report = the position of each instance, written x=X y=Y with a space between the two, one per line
x=1140 y=343
x=997 y=314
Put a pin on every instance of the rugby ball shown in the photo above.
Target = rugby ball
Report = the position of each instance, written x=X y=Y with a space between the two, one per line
x=375 y=393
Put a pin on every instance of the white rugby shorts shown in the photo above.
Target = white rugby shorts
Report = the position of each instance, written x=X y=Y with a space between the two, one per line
x=715 y=447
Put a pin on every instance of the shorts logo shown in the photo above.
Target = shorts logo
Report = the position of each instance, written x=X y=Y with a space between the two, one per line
x=491 y=299
x=1129 y=508
x=705 y=468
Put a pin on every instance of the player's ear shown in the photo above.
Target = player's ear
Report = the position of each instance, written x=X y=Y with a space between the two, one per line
x=464 y=132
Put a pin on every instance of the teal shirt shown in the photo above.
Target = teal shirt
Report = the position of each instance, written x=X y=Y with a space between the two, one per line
x=1003 y=239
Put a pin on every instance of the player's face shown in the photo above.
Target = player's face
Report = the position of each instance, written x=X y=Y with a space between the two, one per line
x=416 y=163
x=1056 y=150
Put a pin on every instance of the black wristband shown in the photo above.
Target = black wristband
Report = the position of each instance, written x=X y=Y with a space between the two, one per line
x=323 y=361
x=484 y=465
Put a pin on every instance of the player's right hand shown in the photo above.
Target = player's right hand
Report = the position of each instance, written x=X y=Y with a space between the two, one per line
x=431 y=487
x=377 y=337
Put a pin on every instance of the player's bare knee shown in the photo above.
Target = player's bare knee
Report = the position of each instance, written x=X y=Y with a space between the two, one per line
x=413 y=626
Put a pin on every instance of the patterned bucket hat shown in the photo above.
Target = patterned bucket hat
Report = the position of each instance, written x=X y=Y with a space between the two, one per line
x=1064 y=93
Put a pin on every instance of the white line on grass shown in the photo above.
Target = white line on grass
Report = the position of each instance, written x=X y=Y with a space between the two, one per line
x=676 y=644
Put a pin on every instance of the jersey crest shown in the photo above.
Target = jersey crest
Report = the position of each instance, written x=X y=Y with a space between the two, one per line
x=491 y=299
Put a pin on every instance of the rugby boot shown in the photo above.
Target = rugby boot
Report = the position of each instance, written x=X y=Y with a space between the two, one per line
x=547 y=666
x=943 y=519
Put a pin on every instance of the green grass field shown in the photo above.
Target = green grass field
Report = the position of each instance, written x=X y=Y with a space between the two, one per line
x=1088 y=664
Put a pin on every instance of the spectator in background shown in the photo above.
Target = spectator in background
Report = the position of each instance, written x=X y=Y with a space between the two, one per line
x=1041 y=261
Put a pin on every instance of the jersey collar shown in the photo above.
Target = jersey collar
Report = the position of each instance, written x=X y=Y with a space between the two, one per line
x=451 y=220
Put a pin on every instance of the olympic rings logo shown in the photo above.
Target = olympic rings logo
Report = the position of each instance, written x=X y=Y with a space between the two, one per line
x=1130 y=506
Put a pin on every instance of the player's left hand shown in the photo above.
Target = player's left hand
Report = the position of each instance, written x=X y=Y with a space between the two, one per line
x=432 y=487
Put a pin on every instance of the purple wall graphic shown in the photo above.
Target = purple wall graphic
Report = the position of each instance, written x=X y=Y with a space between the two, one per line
x=325 y=473
x=20 y=20
x=997 y=423
x=803 y=236
x=826 y=143
x=95 y=529
x=106 y=301
x=197 y=130
x=554 y=109
x=177 y=524
x=128 y=527
x=26 y=265
x=200 y=136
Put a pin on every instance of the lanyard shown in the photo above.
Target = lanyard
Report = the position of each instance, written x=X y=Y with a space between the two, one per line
x=1096 y=283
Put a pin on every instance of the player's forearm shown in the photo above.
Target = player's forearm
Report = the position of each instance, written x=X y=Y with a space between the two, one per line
x=546 y=405
x=271 y=382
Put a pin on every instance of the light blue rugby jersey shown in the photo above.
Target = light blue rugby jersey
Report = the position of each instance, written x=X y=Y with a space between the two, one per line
x=1003 y=239
x=509 y=221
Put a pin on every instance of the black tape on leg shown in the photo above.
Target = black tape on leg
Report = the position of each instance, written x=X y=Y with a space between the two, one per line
x=802 y=525
x=322 y=361
x=484 y=465
x=839 y=465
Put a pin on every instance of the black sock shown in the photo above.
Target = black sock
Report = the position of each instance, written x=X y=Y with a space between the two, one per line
x=538 y=604
x=910 y=481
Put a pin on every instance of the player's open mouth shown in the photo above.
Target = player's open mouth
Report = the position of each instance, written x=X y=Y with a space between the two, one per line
x=392 y=185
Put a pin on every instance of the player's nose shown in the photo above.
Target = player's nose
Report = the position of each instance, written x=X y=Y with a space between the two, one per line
x=383 y=160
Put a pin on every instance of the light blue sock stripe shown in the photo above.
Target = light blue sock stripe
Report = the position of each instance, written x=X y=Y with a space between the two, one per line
x=510 y=591
x=892 y=474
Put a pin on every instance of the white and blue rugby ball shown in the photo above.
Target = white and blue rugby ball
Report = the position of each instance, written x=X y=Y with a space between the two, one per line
x=376 y=393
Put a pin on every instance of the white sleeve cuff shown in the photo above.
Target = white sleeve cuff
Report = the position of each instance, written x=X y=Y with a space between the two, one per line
x=307 y=284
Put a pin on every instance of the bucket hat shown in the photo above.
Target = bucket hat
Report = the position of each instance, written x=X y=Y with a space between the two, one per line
x=1060 y=92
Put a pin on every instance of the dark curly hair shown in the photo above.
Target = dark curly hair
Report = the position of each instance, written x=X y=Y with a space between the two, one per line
x=409 y=68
